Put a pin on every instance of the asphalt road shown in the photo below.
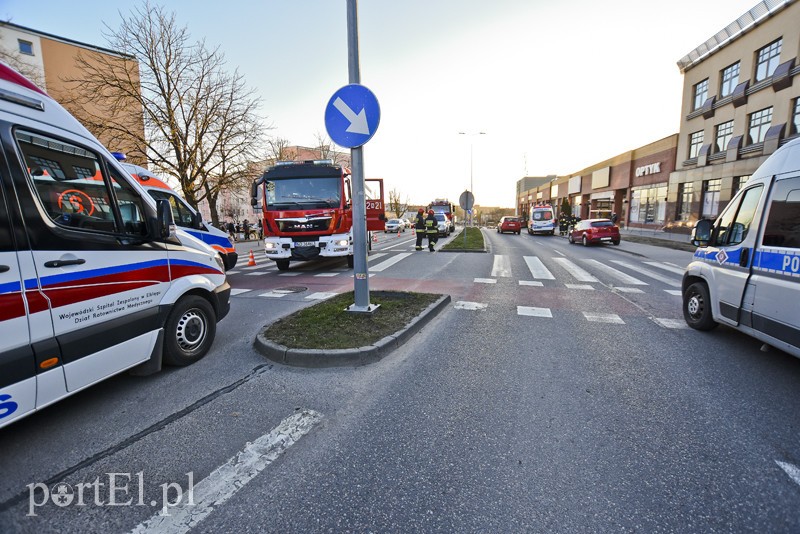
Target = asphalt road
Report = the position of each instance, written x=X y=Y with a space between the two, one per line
x=559 y=392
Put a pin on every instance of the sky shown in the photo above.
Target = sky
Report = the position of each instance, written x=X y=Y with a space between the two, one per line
x=555 y=85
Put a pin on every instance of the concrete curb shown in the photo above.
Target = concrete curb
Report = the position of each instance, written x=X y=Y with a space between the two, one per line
x=348 y=357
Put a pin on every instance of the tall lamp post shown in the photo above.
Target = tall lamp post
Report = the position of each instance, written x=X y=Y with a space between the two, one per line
x=471 y=135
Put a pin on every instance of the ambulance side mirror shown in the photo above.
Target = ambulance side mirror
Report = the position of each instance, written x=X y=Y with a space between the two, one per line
x=163 y=218
x=197 y=221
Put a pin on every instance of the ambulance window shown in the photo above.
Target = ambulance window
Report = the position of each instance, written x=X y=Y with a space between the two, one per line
x=130 y=205
x=783 y=224
x=181 y=213
x=735 y=221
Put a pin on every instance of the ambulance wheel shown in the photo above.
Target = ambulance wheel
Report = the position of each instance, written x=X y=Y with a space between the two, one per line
x=283 y=265
x=190 y=331
x=350 y=261
x=697 y=307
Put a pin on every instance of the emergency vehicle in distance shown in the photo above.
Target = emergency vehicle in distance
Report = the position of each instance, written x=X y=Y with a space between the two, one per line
x=95 y=278
x=443 y=206
x=542 y=220
x=307 y=210
x=183 y=214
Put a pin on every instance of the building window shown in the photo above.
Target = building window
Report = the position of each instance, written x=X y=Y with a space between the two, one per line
x=684 y=206
x=648 y=204
x=767 y=60
x=738 y=183
x=759 y=124
x=695 y=142
x=700 y=94
x=723 y=136
x=730 y=79
x=796 y=116
x=25 y=47
x=710 y=206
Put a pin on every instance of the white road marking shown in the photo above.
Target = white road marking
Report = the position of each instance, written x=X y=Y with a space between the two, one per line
x=579 y=286
x=232 y=272
x=321 y=295
x=611 y=318
x=791 y=470
x=530 y=283
x=273 y=294
x=230 y=477
x=290 y=274
x=252 y=267
x=671 y=323
x=391 y=261
x=239 y=291
x=485 y=281
x=501 y=266
x=676 y=292
x=472 y=306
x=530 y=311
x=628 y=290
x=254 y=273
x=323 y=275
x=616 y=274
x=375 y=256
x=578 y=273
x=647 y=272
x=667 y=267
x=537 y=268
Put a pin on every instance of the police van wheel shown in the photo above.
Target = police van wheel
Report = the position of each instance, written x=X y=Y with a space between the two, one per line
x=190 y=331
x=283 y=265
x=697 y=307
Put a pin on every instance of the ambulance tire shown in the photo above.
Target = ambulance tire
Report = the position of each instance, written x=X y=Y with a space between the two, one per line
x=697 y=307
x=190 y=331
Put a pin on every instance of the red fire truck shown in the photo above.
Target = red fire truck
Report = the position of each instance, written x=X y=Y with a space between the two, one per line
x=441 y=205
x=307 y=210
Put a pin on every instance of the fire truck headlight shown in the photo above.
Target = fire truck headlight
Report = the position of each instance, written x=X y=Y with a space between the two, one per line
x=342 y=243
x=269 y=246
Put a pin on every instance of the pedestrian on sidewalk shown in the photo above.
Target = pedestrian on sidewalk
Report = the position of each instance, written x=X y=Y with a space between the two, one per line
x=431 y=229
x=419 y=227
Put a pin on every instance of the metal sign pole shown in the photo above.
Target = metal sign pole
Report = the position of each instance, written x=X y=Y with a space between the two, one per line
x=360 y=271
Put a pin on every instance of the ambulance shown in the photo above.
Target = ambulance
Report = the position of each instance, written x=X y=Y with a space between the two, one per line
x=182 y=213
x=746 y=271
x=95 y=278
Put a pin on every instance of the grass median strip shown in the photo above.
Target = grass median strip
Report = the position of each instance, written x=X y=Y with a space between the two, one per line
x=328 y=325
x=473 y=241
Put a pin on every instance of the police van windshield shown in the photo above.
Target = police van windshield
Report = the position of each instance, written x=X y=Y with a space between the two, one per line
x=303 y=193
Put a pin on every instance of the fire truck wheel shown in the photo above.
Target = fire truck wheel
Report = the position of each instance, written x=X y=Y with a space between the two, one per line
x=190 y=331
x=350 y=261
x=283 y=265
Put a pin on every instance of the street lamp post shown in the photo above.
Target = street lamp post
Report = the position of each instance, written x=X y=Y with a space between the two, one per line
x=471 y=135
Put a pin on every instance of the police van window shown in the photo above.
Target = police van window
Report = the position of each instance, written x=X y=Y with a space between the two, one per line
x=181 y=214
x=783 y=222
x=69 y=184
x=735 y=221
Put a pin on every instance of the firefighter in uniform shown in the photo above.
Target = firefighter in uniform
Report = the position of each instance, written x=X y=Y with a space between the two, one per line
x=431 y=229
x=419 y=227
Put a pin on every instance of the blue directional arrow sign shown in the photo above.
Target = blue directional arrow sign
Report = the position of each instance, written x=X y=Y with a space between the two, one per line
x=352 y=116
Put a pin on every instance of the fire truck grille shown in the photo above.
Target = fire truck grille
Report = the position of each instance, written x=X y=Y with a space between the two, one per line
x=313 y=225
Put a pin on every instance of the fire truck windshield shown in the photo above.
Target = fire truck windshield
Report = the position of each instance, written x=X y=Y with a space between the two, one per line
x=303 y=193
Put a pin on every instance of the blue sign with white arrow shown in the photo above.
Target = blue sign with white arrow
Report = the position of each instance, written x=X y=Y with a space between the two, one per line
x=352 y=116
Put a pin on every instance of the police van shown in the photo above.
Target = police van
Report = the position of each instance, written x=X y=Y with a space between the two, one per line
x=183 y=214
x=95 y=278
x=746 y=271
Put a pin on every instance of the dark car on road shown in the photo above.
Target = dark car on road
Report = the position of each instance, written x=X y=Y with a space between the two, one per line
x=509 y=224
x=591 y=231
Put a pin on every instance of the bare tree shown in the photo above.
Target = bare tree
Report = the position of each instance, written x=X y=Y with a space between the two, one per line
x=397 y=206
x=279 y=149
x=328 y=151
x=201 y=124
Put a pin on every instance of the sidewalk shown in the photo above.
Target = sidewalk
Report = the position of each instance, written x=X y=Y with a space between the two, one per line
x=656 y=234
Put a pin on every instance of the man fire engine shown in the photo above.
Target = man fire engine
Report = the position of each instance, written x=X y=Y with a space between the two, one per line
x=308 y=210
x=444 y=206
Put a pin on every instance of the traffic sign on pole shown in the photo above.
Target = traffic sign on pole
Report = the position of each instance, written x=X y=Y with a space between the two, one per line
x=352 y=116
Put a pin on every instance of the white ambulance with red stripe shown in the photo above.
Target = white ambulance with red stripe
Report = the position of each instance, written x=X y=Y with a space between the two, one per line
x=95 y=278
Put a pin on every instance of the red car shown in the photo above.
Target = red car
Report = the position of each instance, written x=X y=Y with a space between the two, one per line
x=595 y=231
x=509 y=224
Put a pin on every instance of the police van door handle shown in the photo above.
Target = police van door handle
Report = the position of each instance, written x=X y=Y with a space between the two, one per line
x=63 y=263
x=744 y=259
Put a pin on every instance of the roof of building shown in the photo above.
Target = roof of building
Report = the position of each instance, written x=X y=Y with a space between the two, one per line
x=67 y=41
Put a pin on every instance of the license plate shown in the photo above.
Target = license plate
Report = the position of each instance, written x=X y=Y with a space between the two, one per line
x=305 y=244
x=605 y=239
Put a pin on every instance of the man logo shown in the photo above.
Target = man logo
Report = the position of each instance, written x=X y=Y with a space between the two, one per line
x=62 y=494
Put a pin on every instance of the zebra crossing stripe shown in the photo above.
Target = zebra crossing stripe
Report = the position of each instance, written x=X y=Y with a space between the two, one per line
x=671 y=323
x=627 y=279
x=628 y=290
x=530 y=283
x=579 y=286
x=577 y=272
x=530 y=311
x=501 y=266
x=667 y=267
x=391 y=261
x=647 y=272
x=537 y=268
x=611 y=318
x=239 y=291
x=485 y=281
x=676 y=292
x=471 y=306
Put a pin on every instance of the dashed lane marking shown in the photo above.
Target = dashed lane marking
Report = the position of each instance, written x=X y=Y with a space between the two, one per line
x=530 y=311
x=471 y=306
x=230 y=477
x=485 y=281
x=256 y=273
x=610 y=318
x=326 y=275
x=530 y=283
